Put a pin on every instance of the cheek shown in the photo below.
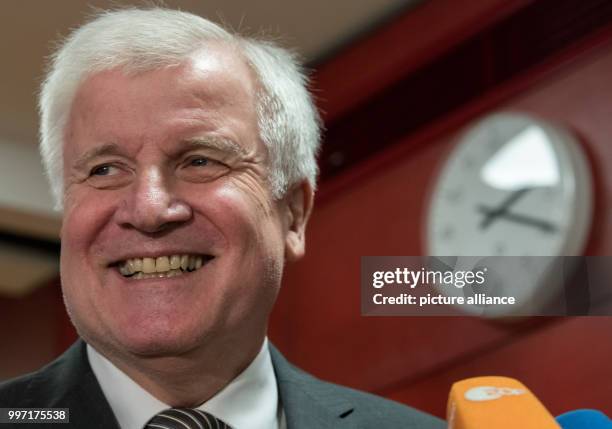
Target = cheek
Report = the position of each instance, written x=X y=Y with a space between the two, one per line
x=254 y=258
x=82 y=224
x=247 y=219
x=77 y=234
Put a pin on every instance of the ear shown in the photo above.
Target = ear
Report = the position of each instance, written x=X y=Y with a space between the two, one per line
x=299 y=200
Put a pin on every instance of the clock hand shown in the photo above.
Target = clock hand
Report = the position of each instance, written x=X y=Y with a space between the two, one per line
x=492 y=214
x=522 y=219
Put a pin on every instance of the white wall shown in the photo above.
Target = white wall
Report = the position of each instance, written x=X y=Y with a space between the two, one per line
x=23 y=185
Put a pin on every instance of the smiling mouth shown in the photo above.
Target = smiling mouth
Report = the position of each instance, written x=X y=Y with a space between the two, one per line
x=161 y=266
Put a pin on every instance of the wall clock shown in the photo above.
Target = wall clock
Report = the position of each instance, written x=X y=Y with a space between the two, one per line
x=514 y=185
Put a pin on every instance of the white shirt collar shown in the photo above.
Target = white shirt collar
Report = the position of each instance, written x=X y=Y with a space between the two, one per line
x=249 y=400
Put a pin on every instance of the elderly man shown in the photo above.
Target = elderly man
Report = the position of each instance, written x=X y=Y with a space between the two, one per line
x=184 y=159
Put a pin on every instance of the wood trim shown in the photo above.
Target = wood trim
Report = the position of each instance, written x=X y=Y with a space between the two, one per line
x=28 y=224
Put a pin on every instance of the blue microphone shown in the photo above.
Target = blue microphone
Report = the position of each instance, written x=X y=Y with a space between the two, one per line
x=584 y=419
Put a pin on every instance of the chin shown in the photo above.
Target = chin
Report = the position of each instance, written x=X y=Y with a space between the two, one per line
x=152 y=346
x=159 y=347
x=142 y=341
x=153 y=342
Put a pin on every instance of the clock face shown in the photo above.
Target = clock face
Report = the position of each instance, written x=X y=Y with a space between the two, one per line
x=513 y=186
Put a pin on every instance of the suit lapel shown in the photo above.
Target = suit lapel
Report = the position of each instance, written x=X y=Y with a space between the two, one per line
x=70 y=383
x=308 y=402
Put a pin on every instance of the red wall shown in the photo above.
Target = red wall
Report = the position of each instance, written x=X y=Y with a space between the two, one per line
x=378 y=208
x=29 y=330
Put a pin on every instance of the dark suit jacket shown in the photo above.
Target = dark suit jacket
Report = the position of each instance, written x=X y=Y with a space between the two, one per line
x=69 y=382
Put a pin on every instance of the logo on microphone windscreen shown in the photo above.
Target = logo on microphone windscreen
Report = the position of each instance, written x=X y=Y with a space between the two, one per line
x=490 y=393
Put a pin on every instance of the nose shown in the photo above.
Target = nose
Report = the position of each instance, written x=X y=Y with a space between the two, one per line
x=150 y=205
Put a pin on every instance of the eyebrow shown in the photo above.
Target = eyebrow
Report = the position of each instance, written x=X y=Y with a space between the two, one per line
x=106 y=149
x=217 y=143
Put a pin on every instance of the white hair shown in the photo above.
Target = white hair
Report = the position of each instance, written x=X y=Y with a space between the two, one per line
x=138 y=40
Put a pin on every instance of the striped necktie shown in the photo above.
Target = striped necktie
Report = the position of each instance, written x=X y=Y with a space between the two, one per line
x=185 y=418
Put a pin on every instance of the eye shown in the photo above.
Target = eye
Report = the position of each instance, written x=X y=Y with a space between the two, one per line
x=200 y=168
x=199 y=162
x=102 y=170
x=109 y=175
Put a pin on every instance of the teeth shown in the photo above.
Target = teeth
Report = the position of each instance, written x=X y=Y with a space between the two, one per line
x=174 y=273
x=184 y=262
x=160 y=267
x=162 y=264
x=148 y=265
x=125 y=270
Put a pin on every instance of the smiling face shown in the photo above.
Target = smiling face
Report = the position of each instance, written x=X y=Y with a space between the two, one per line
x=171 y=238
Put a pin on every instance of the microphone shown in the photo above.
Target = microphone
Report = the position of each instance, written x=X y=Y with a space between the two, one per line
x=496 y=403
x=584 y=419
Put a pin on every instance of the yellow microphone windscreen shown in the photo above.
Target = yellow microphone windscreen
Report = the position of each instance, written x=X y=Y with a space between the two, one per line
x=496 y=403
